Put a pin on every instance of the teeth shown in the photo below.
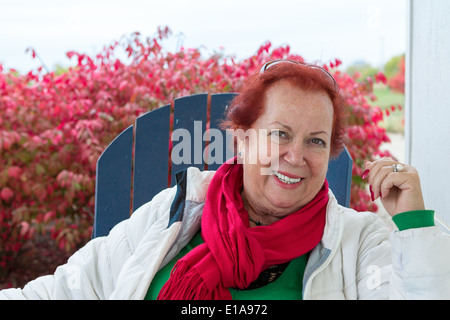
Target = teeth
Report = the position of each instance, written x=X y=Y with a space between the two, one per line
x=285 y=179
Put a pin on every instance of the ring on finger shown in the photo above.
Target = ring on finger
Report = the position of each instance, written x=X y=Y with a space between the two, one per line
x=398 y=167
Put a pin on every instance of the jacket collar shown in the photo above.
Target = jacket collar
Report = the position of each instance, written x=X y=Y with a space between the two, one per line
x=334 y=223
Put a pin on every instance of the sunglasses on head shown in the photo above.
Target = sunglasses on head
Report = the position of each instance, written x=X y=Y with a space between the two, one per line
x=269 y=64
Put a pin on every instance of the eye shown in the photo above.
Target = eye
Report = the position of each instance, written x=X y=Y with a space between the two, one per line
x=278 y=134
x=318 y=141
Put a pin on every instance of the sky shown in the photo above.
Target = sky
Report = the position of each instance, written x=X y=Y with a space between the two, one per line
x=318 y=30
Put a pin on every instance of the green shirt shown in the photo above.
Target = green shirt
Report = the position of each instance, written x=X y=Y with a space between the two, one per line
x=288 y=286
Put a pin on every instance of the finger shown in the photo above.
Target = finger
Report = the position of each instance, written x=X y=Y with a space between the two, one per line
x=399 y=181
x=392 y=180
x=372 y=168
x=379 y=170
x=373 y=165
x=405 y=188
x=377 y=179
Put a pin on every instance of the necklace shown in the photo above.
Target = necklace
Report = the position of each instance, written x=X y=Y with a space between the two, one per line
x=258 y=223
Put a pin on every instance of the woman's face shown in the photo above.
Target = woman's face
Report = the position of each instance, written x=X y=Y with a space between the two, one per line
x=295 y=134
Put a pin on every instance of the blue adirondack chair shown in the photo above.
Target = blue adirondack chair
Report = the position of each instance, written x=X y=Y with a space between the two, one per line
x=135 y=166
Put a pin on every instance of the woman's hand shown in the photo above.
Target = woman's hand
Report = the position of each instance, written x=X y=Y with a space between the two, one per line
x=399 y=191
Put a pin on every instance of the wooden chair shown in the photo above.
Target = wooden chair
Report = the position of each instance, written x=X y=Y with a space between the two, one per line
x=135 y=166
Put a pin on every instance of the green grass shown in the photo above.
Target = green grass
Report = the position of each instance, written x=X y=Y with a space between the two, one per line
x=385 y=99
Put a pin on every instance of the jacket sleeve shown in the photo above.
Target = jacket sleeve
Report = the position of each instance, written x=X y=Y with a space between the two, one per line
x=84 y=276
x=92 y=271
x=374 y=263
x=420 y=264
x=407 y=264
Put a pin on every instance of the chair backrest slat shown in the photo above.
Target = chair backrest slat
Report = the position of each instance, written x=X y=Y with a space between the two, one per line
x=113 y=183
x=339 y=177
x=151 y=160
x=220 y=149
x=189 y=124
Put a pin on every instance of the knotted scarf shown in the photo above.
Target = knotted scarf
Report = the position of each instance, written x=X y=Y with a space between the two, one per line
x=233 y=254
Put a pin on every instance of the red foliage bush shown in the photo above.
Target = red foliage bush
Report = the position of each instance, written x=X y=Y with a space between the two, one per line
x=397 y=82
x=54 y=127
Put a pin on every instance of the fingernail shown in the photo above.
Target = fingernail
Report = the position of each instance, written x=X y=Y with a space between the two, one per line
x=371 y=193
x=365 y=174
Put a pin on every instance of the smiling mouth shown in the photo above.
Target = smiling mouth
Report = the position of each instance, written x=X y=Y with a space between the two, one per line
x=286 y=179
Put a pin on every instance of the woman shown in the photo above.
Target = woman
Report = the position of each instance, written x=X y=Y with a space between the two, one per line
x=267 y=229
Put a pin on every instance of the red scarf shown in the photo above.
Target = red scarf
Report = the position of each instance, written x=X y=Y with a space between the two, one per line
x=234 y=254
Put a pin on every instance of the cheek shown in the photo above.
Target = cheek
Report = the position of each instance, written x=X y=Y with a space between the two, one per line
x=259 y=149
x=252 y=178
x=318 y=164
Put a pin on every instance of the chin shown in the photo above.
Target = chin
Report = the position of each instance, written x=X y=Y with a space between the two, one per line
x=283 y=205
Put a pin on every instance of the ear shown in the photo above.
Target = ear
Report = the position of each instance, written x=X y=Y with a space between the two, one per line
x=240 y=144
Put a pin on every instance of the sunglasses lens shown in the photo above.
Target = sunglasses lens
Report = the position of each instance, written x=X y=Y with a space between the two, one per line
x=267 y=65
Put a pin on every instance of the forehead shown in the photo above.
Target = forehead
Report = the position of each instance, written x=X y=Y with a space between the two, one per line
x=288 y=101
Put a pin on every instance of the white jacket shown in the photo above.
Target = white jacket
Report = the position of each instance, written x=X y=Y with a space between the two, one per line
x=356 y=259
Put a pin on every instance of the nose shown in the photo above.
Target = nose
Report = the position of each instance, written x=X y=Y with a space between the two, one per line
x=295 y=155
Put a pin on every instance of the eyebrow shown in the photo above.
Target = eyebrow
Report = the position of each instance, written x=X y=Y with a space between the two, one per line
x=318 y=132
x=283 y=125
x=289 y=128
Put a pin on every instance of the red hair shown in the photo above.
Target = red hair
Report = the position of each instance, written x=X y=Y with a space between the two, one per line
x=249 y=105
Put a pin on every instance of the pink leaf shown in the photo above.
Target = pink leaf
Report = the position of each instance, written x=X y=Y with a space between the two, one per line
x=380 y=77
x=14 y=172
x=70 y=54
x=25 y=227
x=6 y=194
